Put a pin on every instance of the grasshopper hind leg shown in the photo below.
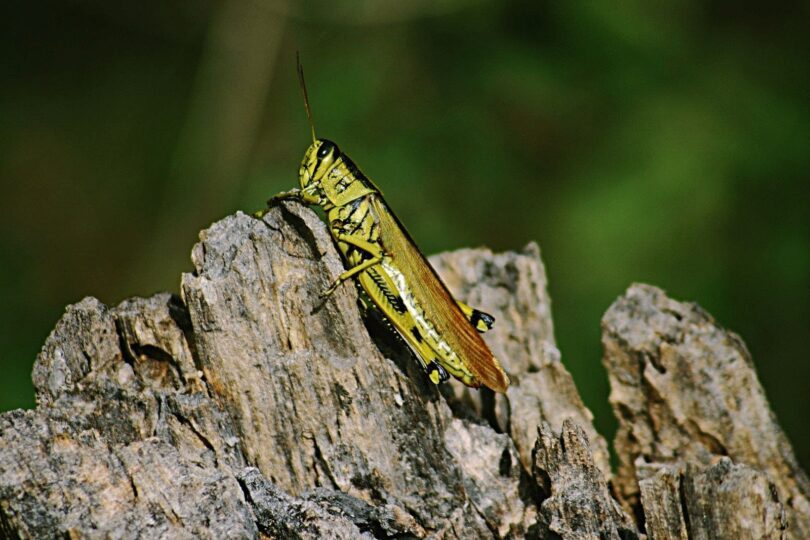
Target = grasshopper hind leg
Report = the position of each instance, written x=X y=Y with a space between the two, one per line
x=480 y=320
x=436 y=373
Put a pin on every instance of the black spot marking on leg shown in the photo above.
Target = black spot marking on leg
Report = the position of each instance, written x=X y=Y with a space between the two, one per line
x=416 y=334
x=435 y=366
x=480 y=316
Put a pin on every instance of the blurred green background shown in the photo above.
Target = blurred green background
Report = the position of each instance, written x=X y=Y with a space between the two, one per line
x=664 y=142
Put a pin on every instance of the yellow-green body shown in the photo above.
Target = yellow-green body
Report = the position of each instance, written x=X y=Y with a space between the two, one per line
x=364 y=231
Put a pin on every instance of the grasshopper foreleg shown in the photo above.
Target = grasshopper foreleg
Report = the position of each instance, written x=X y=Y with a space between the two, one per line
x=368 y=263
x=296 y=194
x=372 y=249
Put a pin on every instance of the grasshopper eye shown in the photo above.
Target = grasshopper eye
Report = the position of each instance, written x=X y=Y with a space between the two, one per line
x=327 y=147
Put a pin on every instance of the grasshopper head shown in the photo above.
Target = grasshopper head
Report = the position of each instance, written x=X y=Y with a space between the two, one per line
x=318 y=159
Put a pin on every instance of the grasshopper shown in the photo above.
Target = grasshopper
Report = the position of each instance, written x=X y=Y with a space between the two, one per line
x=379 y=253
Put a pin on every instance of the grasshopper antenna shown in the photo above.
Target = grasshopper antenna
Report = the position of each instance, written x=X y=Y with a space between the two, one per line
x=303 y=85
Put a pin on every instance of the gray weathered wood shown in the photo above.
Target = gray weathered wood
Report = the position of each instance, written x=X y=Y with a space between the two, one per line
x=513 y=288
x=249 y=408
x=686 y=394
x=577 y=502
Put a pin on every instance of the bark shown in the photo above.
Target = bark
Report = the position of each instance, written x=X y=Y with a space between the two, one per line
x=249 y=408
x=697 y=441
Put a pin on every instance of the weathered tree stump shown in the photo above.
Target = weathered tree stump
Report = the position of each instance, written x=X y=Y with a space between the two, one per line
x=247 y=409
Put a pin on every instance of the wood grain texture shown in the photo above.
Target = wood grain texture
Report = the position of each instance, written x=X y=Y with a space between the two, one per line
x=244 y=408
x=687 y=397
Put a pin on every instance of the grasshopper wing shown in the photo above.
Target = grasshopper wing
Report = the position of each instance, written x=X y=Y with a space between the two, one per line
x=432 y=294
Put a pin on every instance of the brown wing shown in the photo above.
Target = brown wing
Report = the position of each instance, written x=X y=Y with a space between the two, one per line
x=432 y=293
